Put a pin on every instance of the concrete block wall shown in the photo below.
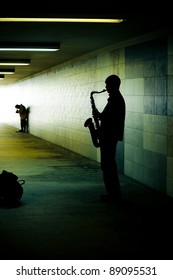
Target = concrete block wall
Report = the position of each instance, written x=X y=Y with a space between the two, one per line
x=148 y=136
x=59 y=105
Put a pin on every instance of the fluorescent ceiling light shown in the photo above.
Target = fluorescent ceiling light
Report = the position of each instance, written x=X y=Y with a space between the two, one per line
x=17 y=62
x=28 y=46
x=2 y=77
x=7 y=71
x=86 y=20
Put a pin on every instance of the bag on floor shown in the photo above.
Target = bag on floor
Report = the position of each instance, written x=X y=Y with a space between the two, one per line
x=11 y=189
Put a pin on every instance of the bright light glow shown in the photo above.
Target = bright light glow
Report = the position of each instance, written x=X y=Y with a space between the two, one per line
x=86 y=20
x=29 y=49
x=14 y=62
x=7 y=71
x=30 y=46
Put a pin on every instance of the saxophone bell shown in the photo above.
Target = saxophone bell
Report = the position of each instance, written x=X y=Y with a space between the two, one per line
x=88 y=122
x=94 y=128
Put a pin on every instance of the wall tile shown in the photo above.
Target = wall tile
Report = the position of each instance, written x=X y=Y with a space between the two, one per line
x=170 y=126
x=149 y=104
x=160 y=124
x=161 y=105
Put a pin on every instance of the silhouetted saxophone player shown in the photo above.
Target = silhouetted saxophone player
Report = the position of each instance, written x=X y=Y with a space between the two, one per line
x=109 y=130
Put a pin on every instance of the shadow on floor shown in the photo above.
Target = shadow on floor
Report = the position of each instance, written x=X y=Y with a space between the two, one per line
x=60 y=215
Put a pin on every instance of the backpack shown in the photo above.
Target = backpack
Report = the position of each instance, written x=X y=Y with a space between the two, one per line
x=11 y=189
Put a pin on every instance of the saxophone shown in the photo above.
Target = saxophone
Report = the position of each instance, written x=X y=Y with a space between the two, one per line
x=94 y=128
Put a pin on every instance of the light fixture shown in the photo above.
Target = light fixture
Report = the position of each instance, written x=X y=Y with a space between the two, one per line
x=7 y=71
x=17 y=62
x=2 y=77
x=85 y=20
x=29 y=46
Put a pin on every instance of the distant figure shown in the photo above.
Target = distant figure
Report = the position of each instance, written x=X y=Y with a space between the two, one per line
x=21 y=110
x=27 y=119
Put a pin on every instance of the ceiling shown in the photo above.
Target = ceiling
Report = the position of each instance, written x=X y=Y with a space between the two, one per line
x=76 y=39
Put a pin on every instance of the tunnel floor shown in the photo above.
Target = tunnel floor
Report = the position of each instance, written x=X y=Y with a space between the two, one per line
x=60 y=216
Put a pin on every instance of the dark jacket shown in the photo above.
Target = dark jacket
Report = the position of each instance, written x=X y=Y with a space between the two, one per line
x=113 y=118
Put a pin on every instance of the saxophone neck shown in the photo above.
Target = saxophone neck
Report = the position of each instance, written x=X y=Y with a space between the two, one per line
x=92 y=92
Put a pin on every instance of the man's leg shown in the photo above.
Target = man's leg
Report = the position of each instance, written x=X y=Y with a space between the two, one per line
x=110 y=172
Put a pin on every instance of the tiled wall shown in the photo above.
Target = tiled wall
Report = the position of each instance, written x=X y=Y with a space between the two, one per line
x=148 y=146
x=170 y=118
x=59 y=105
x=149 y=120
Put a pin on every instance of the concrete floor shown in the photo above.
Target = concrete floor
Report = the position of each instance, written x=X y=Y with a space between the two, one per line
x=60 y=215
